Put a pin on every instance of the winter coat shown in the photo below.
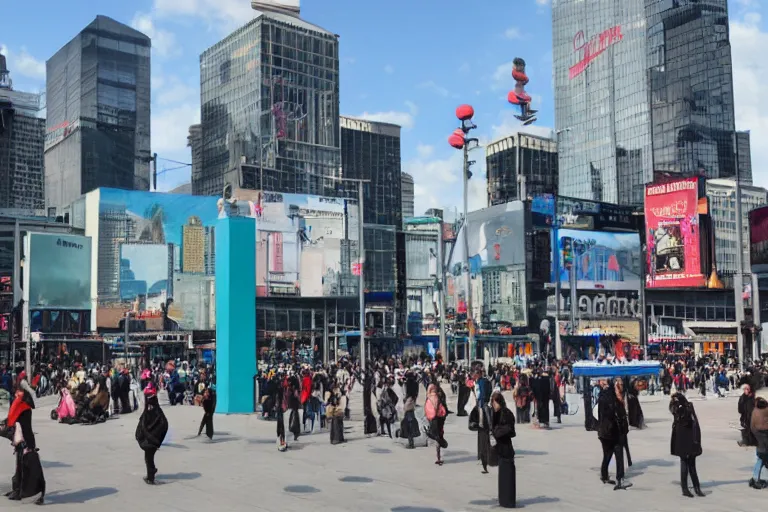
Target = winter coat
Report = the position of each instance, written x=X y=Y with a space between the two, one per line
x=686 y=432
x=759 y=426
x=152 y=427
x=503 y=431
x=612 y=417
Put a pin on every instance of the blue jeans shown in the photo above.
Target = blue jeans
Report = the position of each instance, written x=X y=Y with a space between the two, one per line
x=758 y=469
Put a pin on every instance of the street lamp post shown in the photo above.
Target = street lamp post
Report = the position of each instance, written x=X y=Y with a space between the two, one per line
x=458 y=139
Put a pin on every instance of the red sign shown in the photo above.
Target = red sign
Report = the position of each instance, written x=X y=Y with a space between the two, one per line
x=357 y=269
x=590 y=50
x=673 y=257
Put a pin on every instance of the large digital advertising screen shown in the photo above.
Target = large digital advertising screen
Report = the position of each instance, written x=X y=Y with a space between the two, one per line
x=600 y=260
x=58 y=271
x=758 y=239
x=673 y=237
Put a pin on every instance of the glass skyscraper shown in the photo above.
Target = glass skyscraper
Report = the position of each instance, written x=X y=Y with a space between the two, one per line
x=641 y=87
x=270 y=108
x=98 y=131
x=520 y=163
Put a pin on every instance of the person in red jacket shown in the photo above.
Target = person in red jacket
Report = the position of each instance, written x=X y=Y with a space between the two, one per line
x=306 y=395
x=435 y=412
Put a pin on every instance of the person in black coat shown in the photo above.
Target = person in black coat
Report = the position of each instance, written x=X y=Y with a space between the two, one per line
x=612 y=428
x=745 y=407
x=503 y=430
x=686 y=441
x=28 y=479
x=464 y=392
x=151 y=431
x=209 y=407
x=369 y=422
x=480 y=422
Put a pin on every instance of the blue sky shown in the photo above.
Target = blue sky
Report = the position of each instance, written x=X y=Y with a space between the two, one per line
x=407 y=62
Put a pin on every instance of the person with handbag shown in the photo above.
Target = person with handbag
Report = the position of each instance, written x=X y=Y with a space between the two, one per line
x=435 y=412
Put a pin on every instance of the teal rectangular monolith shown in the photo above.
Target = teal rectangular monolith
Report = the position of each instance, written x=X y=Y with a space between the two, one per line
x=235 y=314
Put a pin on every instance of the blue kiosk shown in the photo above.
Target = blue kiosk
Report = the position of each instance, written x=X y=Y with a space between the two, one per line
x=235 y=314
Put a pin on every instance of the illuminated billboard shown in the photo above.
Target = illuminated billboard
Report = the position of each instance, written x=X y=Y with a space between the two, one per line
x=57 y=271
x=673 y=234
x=601 y=260
x=758 y=239
x=305 y=245
x=153 y=247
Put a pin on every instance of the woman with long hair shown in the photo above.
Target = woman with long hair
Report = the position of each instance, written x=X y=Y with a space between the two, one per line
x=435 y=412
x=612 y=430
x=28 y=479
x=686 y=441
x=503 y=430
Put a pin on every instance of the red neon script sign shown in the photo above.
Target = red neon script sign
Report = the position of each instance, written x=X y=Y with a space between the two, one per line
x=589 y=51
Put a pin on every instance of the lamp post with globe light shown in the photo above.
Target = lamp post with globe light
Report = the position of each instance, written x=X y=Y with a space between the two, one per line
x=459 y=140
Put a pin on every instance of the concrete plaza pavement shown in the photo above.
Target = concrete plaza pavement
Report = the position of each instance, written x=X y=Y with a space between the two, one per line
x=101 y=467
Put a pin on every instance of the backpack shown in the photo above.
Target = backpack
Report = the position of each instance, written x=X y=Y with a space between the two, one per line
x=521 y=400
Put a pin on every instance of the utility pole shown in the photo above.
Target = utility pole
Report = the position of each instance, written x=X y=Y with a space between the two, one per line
x=738 y=284
x=467 y=277
x=361 y=260
x=441 y=291
x=126 y=334
x=558 y=290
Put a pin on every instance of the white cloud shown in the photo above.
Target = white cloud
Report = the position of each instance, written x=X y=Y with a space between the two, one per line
x=425 y=151
x=542 y=2
x=170 y=127
x=221 y=15
x=163 y=42
x=750 y=74
x=389 y=69
x=513 y=33
x=465 y=67
x=502 y=77
x=437 y=89
x=171 y=91
x=23 y=64
x=509 y=125
x=401 y=118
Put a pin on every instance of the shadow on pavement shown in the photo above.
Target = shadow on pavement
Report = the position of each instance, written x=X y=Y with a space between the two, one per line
x=530 y=452
x=536 y=501
x=175 y=445
x=380 y=450
x=301 y=489
x=459 y=460
x=262 y=441
x=718 y=483
x=179 y=476
x=54 y=464
x=415 y=509
x=81 y=496
x=356 y=479
x=484 y=503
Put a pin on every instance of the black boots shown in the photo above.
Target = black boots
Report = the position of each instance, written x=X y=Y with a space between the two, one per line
x=621 y=486
x=699 y=492
x=607 y=480
x=687 y=492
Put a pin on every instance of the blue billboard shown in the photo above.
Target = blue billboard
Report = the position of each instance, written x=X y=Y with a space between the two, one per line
x=601 y=260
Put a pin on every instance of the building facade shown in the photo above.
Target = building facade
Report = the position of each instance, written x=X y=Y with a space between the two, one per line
x=98 y=110
x=722 y=206
x=195 y=143
x=193 y=246
x=22 y=141
x=520 y=166
x=406 y=183
x=371 y=151
x=270 y=108
x=641 y=87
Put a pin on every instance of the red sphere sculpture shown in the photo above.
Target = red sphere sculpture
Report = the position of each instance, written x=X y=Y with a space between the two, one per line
x=465 y=112
x=456 y=140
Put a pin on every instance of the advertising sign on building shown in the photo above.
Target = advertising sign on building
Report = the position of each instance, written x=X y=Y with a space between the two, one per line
x=673 y=255
x=548 y=210
x=758 y=239
x=600 y=260
x=57 y=271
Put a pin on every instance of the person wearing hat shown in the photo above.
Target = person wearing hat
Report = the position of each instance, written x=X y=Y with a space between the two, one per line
x=151 y=431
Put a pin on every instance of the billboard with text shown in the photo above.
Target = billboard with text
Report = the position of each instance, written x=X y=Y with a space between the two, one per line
x=57 y=269
x=673 y=235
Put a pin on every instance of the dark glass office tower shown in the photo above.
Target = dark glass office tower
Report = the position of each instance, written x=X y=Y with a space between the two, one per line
x=520 y=163
x=22 y=138
x=98 y=131
x=641 y=87
x=270 y=108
